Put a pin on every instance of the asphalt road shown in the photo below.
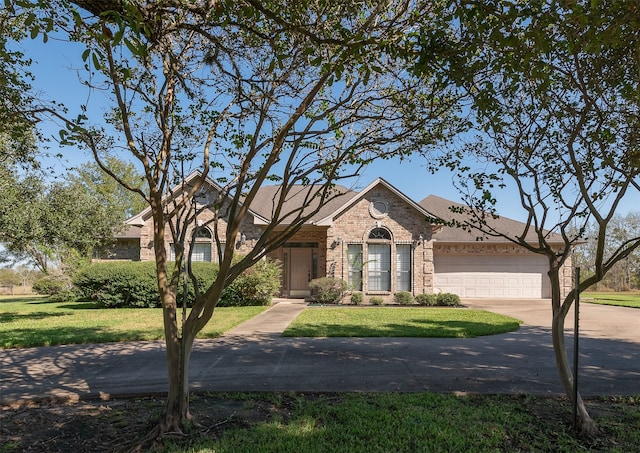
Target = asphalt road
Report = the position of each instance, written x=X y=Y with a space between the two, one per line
x=255 y=357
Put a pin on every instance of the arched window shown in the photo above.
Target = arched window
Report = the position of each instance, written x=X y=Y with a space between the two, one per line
x=380 y=233
x=203 y=233
x=379 y=260
x=202 y=246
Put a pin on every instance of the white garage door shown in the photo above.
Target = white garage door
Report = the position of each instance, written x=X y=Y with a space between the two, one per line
x=505 y=277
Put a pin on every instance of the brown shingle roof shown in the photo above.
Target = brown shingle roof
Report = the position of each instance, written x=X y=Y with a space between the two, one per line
x=438 y=207
x=129 y=232
x=267 y=197
x=441 y=208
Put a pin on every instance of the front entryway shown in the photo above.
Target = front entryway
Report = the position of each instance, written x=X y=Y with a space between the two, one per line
x=300 y=267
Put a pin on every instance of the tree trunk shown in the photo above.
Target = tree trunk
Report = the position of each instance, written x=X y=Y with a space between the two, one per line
x=586 y=425
x=177 y=414
x=178 y=344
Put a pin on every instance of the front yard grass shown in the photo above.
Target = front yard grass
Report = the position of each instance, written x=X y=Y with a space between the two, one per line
x=422 y=422
x=35 y=321
x=399 y=322
x=622 y=299
x=327 y=422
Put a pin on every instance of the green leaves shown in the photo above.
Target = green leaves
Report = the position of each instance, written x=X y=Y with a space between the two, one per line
x=47 y=221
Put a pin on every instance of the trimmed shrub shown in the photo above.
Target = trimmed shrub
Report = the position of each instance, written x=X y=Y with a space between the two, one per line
x=119 y=284
x=53 y=284
x=428 y=300
x=327 y=290
x=376 y=300
x=134 y=284
x=448 y=300
x=357 y=298
x=403 y=298
x=68 y=295
x=255 y=286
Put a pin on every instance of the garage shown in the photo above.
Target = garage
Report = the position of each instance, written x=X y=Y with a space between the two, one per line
x=500 y=277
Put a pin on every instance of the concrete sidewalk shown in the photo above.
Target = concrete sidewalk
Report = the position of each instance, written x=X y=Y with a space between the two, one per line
x=255 y=357
x=271 y=322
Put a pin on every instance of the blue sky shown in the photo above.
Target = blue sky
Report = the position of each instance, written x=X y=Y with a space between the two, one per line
x=56 y=79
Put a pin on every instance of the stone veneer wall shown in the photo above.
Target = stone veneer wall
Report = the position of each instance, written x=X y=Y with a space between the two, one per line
x=403 y=222
x=251 y=232
x=125 y=249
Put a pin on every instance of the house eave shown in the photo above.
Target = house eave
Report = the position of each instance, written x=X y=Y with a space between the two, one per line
x=136 y=220
x=261 y=221
x=326 y=222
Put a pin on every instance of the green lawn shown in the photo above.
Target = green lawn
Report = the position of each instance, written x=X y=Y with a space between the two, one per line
x=398 y=322
x=34 y=321
x=417 y=422
x=622 y=299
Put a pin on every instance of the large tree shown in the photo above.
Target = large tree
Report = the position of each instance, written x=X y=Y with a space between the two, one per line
x=93 y=180
x=303 y=93
x=51 y=223
x=15 y=87
x=554 y=94
x=20 y=104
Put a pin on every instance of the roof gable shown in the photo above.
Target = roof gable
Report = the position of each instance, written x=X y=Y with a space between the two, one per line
x=140 y=218
x=328 y=219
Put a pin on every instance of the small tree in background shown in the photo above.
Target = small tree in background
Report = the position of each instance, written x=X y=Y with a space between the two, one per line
x=89 y=178
x=624 y=275
x=52 y=226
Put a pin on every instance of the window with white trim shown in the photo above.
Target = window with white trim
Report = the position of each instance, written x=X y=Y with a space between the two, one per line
x=203 y=247
x=354 y=257
x=201 y=252
x=403 y=267
x=379 y=267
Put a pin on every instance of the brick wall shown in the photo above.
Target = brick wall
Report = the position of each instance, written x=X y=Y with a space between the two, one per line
x=125 y=249
x=381 y=208
x=250 y=231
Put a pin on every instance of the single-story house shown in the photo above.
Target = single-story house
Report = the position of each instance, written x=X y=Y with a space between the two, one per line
x=376 y=239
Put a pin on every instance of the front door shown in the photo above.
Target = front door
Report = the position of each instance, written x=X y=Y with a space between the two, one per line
x=301 y=269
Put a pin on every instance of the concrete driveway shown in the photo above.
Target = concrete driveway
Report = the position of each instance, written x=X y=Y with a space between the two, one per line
x=255 y=357
x=596 y=321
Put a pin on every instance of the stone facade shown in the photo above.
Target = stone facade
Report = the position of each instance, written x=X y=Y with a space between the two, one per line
x=243 y=243
x=381 y=208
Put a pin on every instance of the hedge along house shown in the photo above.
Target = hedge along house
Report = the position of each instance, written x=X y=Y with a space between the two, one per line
x=377 y=239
